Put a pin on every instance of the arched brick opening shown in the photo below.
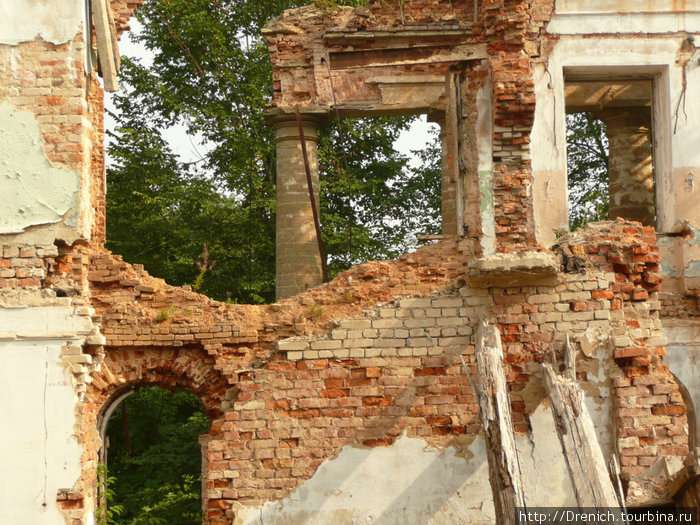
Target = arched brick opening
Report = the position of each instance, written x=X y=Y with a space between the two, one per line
x=172 y=369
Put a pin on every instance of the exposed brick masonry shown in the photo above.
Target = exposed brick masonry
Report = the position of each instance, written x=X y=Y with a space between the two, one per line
x=383 y=370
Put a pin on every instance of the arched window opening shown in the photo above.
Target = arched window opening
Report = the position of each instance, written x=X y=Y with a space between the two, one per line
x=153 y=458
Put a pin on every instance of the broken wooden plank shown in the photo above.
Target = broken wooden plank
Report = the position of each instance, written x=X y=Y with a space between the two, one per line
x=569 y=360
x=584 y=458
x=615 y=473
x=105 y=50
x=494 y=410
x=115 y=40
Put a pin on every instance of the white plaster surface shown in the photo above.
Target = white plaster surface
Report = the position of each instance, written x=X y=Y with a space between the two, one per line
x=683 y=357
x=625 y=16
x=32 y=191
x=52 y=322
x=407 y=482
x=598 y=388
x=545 y=475
x=549 y=157
x=676 y=114
x=625 y=6
x=485 y=168
x=39 y=453
x=687 y=154
x=410 y=482
x=55 y=22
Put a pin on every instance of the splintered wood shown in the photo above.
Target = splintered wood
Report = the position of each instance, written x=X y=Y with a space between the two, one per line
x=584 y=458
x=108 y=59
x=494 y=411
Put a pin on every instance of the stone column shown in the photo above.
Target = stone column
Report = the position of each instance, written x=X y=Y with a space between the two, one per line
x=298 y=263
x=630 y=166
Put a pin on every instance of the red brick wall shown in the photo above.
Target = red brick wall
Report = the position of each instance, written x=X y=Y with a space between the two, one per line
x=288 y=404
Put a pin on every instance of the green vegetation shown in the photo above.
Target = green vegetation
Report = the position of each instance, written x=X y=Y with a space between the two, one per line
x=107 y=511
x=211 y=74
x=587 y=167
x=154 y=459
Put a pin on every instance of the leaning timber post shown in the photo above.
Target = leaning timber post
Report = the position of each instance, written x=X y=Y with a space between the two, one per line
x=494 y=410
x=584 y=457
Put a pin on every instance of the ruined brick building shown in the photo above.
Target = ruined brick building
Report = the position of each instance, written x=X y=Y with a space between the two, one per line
x=346 y=402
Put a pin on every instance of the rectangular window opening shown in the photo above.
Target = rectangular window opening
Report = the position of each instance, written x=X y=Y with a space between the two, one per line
x=610 y=166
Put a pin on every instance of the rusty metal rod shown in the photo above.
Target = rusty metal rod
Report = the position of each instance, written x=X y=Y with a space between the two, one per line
x=314 y=210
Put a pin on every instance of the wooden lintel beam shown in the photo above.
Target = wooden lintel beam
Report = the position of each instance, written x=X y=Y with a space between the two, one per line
x=406 y=56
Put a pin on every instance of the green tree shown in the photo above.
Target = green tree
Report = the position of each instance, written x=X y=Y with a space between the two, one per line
x=155 y=458
x=211 y=73
x=587 y=169
x=374 y=206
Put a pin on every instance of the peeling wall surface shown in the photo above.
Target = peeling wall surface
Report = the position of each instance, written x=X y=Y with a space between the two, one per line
x=405 y=482
x=32 y=191
x=683 y=358
x=628 y=16
x=55 y=22
x=669 y=60
x=411 y=482
x=39 y=449
x=39 y=452
x=607 y=58
x=347 y=402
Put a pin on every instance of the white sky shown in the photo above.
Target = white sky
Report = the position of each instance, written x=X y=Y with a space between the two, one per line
x=190 y=148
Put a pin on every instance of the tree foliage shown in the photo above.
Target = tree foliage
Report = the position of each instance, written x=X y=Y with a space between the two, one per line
x=210 y=223
x=374 y=206
x=587 y=169
x=155 y=467
x=211 y=74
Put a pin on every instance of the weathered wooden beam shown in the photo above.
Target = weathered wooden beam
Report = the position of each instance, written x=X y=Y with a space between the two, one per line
x=494 y=410
x=105 y=49
x=407 y=56
x=584 y=458
x=115 y=40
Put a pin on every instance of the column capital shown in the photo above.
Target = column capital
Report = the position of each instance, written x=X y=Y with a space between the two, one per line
x=316 y=116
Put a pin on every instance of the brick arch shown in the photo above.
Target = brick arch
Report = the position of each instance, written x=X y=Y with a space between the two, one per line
x=690 y=412
x=171 y=369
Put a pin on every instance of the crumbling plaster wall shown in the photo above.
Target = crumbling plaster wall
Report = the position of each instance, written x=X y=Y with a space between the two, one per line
x=328 y=59
x=369 y=372
x=49 y=337
x=683 y=359
x=45 y=81
x=351 y=381
x=601 y=41
x=44 y=374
